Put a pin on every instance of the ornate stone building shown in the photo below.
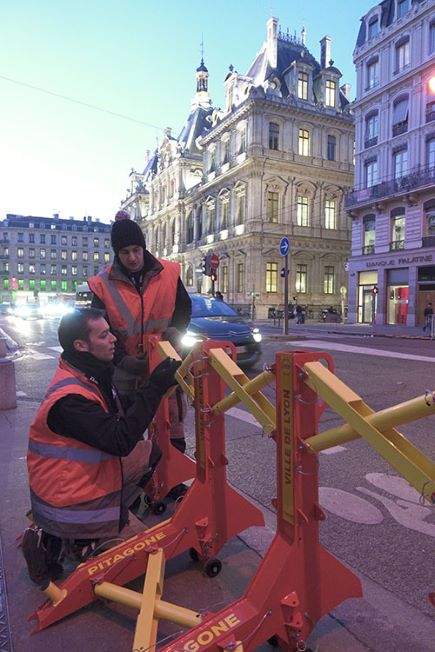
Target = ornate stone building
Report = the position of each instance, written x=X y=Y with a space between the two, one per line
x=276 y=160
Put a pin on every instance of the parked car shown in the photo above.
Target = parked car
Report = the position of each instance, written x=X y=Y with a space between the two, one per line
x=215 y=320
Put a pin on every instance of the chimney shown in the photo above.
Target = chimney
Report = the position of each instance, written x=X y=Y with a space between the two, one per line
x=325 y=51
x=272 y=41
x=345 y=89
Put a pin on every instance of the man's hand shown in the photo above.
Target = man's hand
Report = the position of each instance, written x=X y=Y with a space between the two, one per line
x=137 y=365
x=163 y=375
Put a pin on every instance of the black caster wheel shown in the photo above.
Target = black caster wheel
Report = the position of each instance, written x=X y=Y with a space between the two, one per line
x=193 y=554
x=158 y=508
x=213 y=567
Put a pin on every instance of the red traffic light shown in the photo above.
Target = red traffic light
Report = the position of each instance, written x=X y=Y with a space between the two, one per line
x=375 y=290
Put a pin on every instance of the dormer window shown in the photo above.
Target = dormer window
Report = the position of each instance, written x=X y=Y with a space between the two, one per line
x=373 y=27
x=303 y=86
x=330 y=92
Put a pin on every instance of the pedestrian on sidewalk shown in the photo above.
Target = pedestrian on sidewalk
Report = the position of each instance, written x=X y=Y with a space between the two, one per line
x=142 y=295
x=428 y=312
x=87 y=458
x=299 y=315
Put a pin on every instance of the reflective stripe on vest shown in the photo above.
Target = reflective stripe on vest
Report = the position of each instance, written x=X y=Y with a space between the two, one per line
x=70 y=381
x=93 y=456
x=65 y=515
x=150 y=326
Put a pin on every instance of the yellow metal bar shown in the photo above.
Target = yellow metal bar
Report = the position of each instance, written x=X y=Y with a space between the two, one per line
x=251 y=387
x=406 y=412
x=54 y=593
x=162 y=609
x=182 y=375
x=259 y=406
x=145 y=635
x=403 y=456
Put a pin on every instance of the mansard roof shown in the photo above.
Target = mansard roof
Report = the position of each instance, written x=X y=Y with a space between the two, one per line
x=196 y=125
x=387 y=18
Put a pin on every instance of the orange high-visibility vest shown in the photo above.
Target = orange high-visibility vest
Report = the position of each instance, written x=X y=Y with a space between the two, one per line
x=75 y=488
x=133 y=315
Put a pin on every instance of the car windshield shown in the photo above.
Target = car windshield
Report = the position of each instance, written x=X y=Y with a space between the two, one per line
x=209 y=307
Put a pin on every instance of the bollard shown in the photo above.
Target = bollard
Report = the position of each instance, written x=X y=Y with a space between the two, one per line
x=8 y=394
x=3 y=349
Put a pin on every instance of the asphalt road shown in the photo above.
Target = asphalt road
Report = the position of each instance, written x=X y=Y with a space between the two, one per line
x=375 y=521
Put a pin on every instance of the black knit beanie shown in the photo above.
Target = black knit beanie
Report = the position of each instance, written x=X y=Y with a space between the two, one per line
x=126 y=233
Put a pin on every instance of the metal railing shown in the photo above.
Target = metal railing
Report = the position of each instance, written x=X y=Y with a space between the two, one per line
x=417 y=178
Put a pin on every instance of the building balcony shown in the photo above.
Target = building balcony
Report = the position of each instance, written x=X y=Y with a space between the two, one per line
x=368 y=249
x=400 y=128
x=428 y=241
x=370 y=142
x=397 y=245
x=416 y=179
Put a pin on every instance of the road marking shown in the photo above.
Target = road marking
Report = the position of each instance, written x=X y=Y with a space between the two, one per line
x=336 y=346
x=20 y=394
x=58 y=349
x=242 y=415
x=351 y=508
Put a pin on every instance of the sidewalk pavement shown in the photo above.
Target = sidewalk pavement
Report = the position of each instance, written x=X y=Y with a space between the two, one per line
x=269 y=328
x=378 y=622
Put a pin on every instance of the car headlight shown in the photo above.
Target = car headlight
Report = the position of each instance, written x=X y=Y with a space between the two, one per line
x=189 y=339
x=257 y=335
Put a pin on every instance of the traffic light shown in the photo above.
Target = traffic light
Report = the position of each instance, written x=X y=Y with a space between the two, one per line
x=283 y=272
x=375 y=290
x=213 y=275
x=206 y=265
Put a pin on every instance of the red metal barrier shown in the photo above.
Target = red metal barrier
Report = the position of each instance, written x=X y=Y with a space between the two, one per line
x=298 y=581
x=211 y=512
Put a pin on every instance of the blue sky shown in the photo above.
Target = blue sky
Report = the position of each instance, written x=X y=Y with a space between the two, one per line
x=132 y=57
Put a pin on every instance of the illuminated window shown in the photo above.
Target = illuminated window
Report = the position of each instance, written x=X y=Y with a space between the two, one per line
x=330 y=214
x=64 y=286
x=43 y=254
x=271 y=277
x=303 y=86
x=304 y=142
x=302 y=211
x=106 y=257
x=74 y=270
x=329 y=280
x=96 y=242
x=20 y=252
x=301 y=279
x=63 y=254
x=31 y=284
x=96 y=257
x=64 y=270
x=224 y=279
x=43 y=285
x=330 y=92
x=85 y=255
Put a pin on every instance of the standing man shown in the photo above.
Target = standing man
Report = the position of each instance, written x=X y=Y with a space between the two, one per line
x=87 y=459
x=428 y=312
x=142 y=295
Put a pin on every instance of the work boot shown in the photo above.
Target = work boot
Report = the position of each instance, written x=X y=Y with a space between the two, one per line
x=178 y=491
x=41 y=552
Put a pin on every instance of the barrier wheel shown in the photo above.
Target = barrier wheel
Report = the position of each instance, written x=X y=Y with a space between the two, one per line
x=273 y=641
x=213 y=567
x=193 y=554
x=158 y=508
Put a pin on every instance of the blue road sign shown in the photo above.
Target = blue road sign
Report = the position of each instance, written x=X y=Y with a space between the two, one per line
x=284 y=246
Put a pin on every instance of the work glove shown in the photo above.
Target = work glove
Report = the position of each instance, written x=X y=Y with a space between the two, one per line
x=137 y=365
x=173 y=336
x=163 y=375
